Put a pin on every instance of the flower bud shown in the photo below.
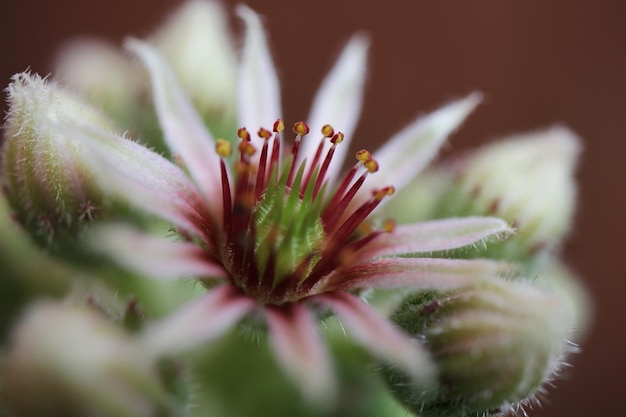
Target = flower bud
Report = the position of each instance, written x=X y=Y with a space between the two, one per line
x=494 y=343
x=70 y=361
x=526 y=180
x=46 y=181
x=107 y=77
x=195 y=42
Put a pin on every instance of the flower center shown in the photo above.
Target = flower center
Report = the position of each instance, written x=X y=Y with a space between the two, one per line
x=285 y=227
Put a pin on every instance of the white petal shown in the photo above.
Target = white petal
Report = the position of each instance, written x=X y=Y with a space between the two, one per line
x=196 y=41
x=184 y=130
x=153 y=256
x=404 y=156
x=301 y=352
x=378 y=335
x=437 y=235
x=338 y=102
x=259 y=88
x=134 y=173
x=201 y=320
x=413 y=273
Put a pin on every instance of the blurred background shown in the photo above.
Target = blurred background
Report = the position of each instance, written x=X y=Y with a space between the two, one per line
x=537 y=62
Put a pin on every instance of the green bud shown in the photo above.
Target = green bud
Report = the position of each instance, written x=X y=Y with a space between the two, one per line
x=196 y=43
x=46 y=180
x=70 y=361
x=107 y=77
x=494 y=342
x=526 y=180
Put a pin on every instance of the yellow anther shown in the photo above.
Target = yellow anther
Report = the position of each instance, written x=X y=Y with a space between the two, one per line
x=337 y=138
x=246 y=148
x=242 y=133
x=300 y=128
x=380 y=194
x=366 y=228
x=328 y=131
x=223 y=148
x=279 y=126
x=244 y=168
x=371 y=165
x=363 y=155
x=389 y=225
x=264 y=133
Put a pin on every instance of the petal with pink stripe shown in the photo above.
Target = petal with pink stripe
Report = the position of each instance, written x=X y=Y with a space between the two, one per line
x=378 y=335
x=412 y=273
x=437 y=235
x=300 y=350
x=154 y=256
x=182 y=126
x=197 y=322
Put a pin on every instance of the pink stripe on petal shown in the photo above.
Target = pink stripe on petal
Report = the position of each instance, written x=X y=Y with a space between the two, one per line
x=197 y=322
x=154 y=256
x=259 y=88
x=300 y=351
x=145 y=179
x=412 y=273
x=437 y=235
x=184 y=130
x=378 y=334
x=338 y=102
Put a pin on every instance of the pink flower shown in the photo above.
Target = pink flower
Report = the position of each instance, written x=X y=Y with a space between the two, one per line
x=272 y=228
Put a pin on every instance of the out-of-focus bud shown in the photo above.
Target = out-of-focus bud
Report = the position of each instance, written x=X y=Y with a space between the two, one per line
x=70 y=361
x=196 y=42
x=419 y=200
x=563 y=282
x=495 y=342
x=46 y=180
x=26 y=271
x=527 y=180
x=107 y=77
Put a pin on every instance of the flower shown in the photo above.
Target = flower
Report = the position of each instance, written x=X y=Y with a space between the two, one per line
x=279 y=232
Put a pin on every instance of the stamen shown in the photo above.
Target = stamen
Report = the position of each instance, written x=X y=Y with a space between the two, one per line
x=371 y=165
x=328 y=131
x=264 y=133
x=242 y=133
x=279 y=126
x=363 y=155
x=340 y=202
x=260 y=179
x=246 y=149
x=224 y=149
x=300 y=129
x=338 y=138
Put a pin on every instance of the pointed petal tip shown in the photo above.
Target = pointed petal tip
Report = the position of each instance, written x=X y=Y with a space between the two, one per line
x=247 y=14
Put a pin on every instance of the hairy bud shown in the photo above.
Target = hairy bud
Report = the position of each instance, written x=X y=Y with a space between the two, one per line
x=495 y=343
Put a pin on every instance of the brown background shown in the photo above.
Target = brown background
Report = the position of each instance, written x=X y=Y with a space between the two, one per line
x=538 y=62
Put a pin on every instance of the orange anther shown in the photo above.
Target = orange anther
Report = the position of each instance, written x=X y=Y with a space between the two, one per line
x=223 y=148
x=337 y=138
x=279 y=126
x=264 y=133
x=371 y=165
x=242 y=133
x=246 y=148
x=389 y=225
x=363 y=155
x=300 y=128
x=328 y=131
